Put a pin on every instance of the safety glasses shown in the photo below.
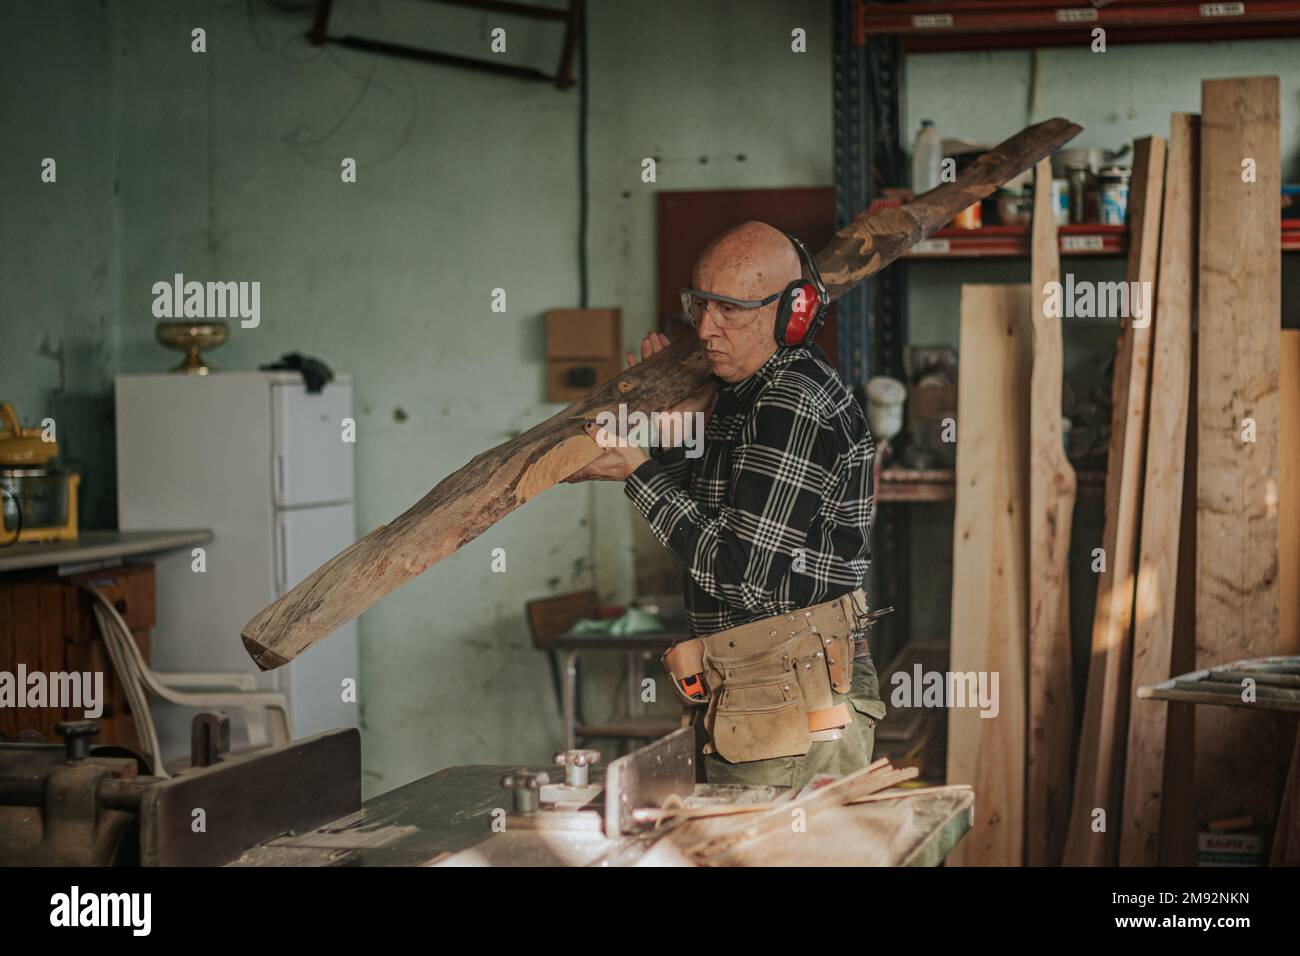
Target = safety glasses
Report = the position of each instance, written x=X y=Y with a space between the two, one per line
x=729 y=313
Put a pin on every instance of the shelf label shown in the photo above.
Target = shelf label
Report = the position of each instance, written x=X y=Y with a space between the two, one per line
x=1077 y=15
x=931 y=247
x=1081 y=243
x=1223 y=9
x=931 y=21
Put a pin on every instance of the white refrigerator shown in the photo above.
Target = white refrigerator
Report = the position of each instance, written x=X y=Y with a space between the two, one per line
x=269 y=468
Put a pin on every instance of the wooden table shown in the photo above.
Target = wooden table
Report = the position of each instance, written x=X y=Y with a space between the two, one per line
x=46 y=623
x=446 y=818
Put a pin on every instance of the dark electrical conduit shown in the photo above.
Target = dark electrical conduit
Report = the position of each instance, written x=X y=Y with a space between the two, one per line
x=582 y=155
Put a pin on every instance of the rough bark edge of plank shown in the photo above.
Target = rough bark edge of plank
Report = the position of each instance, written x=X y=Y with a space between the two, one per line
x=387 y=557
x=1053 y=488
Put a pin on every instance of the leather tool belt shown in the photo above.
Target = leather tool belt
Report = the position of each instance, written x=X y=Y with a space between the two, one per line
x=768 y=685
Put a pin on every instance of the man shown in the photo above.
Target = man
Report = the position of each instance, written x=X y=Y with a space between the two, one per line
x=771 y=520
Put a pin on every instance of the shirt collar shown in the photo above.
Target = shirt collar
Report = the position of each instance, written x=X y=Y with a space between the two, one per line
x=746 y=387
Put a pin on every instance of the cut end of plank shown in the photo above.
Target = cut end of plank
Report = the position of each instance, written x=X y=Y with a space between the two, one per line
x=264 y=657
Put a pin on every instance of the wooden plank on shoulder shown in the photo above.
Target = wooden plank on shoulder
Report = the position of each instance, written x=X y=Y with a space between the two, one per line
x=1051 y=514
x=1239 y=320
x=1162 y=489
x=989 y=590
x=1093 y=838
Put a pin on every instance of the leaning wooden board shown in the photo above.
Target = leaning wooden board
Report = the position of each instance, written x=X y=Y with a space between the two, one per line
x=1162 y=489
x=989 y=589
x=1286 y=840
x=1289 y=494
x=1239 y=321
x=1178 y=828
x=469 y=501
x=1051 y=514
x=1095 y=811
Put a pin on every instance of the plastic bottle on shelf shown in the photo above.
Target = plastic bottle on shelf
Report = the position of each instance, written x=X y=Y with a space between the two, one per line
x=927 y=157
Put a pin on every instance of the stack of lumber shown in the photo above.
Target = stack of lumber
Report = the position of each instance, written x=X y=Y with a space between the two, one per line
x=1200 y=553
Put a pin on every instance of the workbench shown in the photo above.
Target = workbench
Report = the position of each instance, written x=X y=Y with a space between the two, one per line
x=97 y=549
x=446 y=819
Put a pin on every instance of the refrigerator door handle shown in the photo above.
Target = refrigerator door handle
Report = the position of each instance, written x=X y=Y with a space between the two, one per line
x=282 y=558
x=279 y=480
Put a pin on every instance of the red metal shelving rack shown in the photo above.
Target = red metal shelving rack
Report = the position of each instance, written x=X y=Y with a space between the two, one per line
x=908 y=485
x=1017 y=24
x=1080 y=240
x=1291 y=235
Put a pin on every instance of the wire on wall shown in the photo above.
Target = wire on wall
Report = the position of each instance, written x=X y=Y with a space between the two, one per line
x=583 y=185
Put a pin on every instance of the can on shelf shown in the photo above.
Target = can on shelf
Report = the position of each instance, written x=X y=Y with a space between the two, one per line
x=1061 y=201
x=1114 y=195
x=1079 y=177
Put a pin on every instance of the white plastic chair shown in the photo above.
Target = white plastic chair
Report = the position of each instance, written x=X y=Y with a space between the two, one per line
x=205 y=689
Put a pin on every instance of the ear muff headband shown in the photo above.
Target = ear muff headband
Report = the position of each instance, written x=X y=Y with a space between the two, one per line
x=804 y=303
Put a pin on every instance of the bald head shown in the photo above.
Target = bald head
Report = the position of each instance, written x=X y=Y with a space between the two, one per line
x=751 y=261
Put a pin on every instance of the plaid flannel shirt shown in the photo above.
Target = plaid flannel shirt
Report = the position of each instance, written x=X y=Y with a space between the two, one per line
x=774 y=515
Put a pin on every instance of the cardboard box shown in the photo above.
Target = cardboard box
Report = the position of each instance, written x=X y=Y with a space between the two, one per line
x=583 y=334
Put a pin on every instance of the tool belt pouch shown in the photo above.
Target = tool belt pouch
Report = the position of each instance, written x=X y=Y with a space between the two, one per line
x=769 y=686
x=757 y=710
x=833 y=623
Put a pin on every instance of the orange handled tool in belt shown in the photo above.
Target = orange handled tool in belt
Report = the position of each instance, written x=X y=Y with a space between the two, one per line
x=685 y=664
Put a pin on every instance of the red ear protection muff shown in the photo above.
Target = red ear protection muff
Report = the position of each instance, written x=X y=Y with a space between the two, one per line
x=803 y=305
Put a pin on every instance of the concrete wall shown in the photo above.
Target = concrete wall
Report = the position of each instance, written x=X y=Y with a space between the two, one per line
x=58 y=259
x=226 y=165
x=699 y=86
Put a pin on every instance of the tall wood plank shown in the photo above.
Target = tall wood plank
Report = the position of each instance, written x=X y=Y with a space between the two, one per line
x=1286 y=840
x=989 y=591
x=1239 y=316
x=1289 y=495
x=1178 y=799
x=1094 y=837
x=1051 y=514
x=1162 y=510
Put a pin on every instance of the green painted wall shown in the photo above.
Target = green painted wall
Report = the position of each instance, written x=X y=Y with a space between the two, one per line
x=58 y=260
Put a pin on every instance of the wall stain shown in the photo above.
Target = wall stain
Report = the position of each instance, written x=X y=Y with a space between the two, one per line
x=55 y=353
